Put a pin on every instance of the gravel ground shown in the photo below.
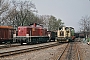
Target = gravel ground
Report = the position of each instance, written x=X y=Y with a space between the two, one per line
x=50 y=53
x=44 y=54
x=23 y=47
x=85 y=51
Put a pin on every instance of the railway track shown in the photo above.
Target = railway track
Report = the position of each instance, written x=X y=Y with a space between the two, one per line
x=8 y=45
x=9 y=53
x=70 y=52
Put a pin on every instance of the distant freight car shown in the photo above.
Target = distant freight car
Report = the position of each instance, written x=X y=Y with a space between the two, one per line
x=52 y=35
x=6 y=34
x=79 y=35
x=76 y=35
x=31 y=34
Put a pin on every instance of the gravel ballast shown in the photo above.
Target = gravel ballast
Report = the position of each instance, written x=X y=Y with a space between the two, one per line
x=50 y=53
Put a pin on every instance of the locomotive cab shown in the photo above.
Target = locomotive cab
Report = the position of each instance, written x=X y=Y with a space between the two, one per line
x=64 y=34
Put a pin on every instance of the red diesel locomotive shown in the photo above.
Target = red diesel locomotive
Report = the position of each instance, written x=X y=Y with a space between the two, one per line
x=31 y=34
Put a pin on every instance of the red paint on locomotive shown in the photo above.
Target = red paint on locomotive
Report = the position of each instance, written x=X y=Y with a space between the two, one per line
x=33 y=30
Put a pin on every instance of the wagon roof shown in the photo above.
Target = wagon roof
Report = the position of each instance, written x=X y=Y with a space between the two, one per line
x=39 y=27
x=9 y=27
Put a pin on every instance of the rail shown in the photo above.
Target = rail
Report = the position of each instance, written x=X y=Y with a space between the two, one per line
x=9 y=53
x=70 y=51
x=63 y=52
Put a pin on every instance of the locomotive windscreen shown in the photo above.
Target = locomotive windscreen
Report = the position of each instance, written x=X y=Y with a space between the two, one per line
x=61 y=33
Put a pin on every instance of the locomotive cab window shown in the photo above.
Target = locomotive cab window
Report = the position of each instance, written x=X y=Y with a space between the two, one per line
x=61 y=33
x=67 y=29
x=60 y=28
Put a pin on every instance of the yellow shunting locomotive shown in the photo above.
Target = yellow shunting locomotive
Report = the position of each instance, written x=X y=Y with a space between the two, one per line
x=65 y=34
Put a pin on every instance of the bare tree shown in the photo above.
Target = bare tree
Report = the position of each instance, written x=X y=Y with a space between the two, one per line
x=19 y=13
x=45 y=19
x=85 y=25
x=4 y=6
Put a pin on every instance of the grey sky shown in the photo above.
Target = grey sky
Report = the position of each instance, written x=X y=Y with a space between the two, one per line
x=69 y=11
